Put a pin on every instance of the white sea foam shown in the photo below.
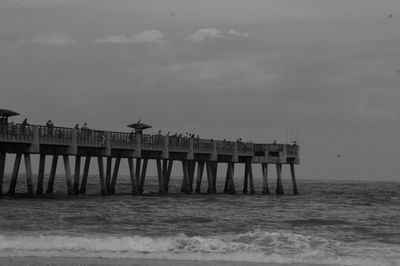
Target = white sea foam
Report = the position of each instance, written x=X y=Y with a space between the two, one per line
x=256 y=246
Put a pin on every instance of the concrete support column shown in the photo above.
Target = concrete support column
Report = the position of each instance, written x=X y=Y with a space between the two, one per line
x=40 y=181
x=115 y=174
x=137 y=175
x=132 y=176
x=28 y=174
x=295 y=192
x=200 y=169
x=210 y=188
x=279 y=186
x=143 y=175
x=264 y=168
x=250 y=168
x=161 y=185
x=214 y=171
x=15 y=172
x=186 y=181
x=77 y=174
x=103 y=188
x=108 y=174
x=231 y=167
x=246 y=178
x=85 y=175
x=2 y=169
x=68 y=176
x=52 y=175
x=168 y=177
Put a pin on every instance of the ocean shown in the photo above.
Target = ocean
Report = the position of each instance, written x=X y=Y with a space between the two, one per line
x=329 y=223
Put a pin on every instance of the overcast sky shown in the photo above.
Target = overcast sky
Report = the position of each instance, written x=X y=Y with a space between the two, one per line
x=327 y=71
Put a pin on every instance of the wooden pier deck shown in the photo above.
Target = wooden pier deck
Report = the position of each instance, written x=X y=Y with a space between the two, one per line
x=23 y=140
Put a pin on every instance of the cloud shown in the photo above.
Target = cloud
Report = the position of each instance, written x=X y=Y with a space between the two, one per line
x=148 y=36
x=202 y=34
x=233 y=32
x=55 y=38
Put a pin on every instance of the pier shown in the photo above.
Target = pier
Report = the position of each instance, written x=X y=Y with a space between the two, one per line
x=108 y=148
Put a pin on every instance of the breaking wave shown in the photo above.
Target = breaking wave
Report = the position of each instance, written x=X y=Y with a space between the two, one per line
x=256 y=246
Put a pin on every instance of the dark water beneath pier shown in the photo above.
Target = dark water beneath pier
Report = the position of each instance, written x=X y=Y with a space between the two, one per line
x=331 y=222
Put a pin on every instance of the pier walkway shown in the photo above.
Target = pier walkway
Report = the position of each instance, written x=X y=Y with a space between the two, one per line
x=23 y=140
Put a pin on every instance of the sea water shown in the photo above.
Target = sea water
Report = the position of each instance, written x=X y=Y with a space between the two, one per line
x=330 y=222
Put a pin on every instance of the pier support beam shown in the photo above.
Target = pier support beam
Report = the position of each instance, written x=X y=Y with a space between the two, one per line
x=2 y=169
x=40 y=181
x=279 y=186
x=68 y=176
x=14 y=175
x=251 y=180
x=85 y=175
x=264 y=168
x=115 y=174
x=168 y=175
x=246 y=178
x=161 y=185
x=103 y=188
x=186 y=188
x=143 y=175
x=77 y=174
x=214 y=170
x=200 y=170
x=210 y=183
x=28 y=174
x=295 y=192
x=137 y=175
x=132 y=176
x=52 y=175
x=108 y=174
x=229 y=181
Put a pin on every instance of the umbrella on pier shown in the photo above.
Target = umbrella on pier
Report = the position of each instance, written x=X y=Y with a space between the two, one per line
x=139 y=126
x=6 y=113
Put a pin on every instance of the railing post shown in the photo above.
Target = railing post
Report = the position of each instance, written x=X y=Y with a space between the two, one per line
x=73 y=148
x=165 y=152
x=190 y=155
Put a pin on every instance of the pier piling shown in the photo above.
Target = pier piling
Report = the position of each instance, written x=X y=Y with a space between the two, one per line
x=77 y=174
x=103 y=188
x=132 y=176
x=85 y=175
x=52 y=174
x=264 y=167
x=68 y=176
x=279 y=186
x=28 y=174
x=14 y=175
x=295 y=192
x=200 y=170
x=115 y=174
x=2 y=170
x=40 y=179
x=143 y=175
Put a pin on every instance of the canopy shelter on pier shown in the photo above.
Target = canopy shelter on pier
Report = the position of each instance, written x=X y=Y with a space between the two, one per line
x=139 y=127
x=4 y=114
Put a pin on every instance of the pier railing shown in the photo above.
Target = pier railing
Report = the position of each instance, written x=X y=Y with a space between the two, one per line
x=152 y=142
x=178 y=144
x=203 y=146
x=89 y=137
x=122 y=140
x=17 y=133
x=33 y=134
x=55 y=135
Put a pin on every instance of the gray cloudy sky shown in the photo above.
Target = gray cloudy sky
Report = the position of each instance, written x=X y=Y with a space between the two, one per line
x=256 y=69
